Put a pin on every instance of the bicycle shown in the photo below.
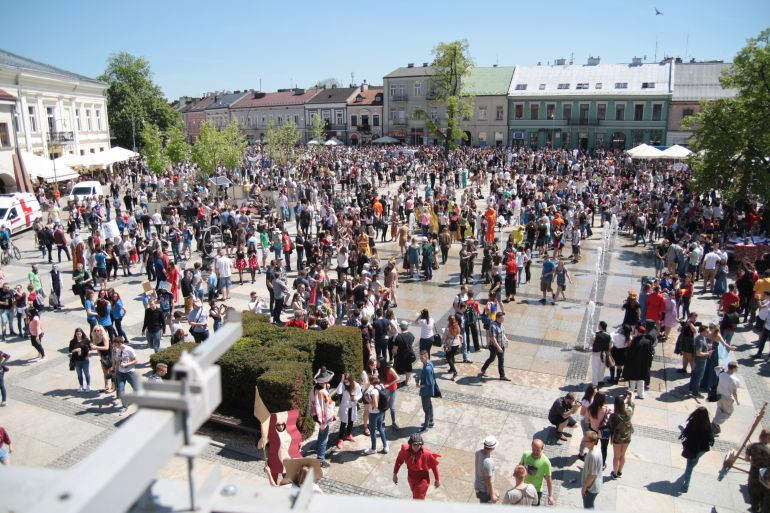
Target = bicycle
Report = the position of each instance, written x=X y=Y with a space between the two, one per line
x=10 y=251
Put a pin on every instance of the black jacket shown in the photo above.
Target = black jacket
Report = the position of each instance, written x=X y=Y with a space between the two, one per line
x=153 y=320
x=638 y=359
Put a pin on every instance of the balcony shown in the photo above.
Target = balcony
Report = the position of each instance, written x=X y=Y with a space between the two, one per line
x=364 y=128
x=399 y=122
x=583 y=122
x=61 y=137
x=399 y=97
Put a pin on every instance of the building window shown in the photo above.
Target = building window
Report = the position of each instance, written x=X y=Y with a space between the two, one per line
x=482 y=113
x=687 y=112
x=598 y=85
x=340 y=117
x=82 y=152
x=499 y=113
x=582 y=85
x=550 y=111
x=51 y=120
x=639 y=112
x=353 y=120
x=88 y=119
x=657 y=112
x=98 y=120
x=418 y=88
x=567 y=111
x=620 y=112
x=583 y=113
x=601 y=112
x=482 y=136
x=562 y=86
x=364 y=120
x=534 y=111
x=521 y=87
x=656 y=137
x=638 y=137
x=392 y=115
x=32 y=119
x=541 y=87
x=5 y=136
x=93 y=150
x=648 y=85
x=280 y=120
x=533 y=136
x=434 y=114
x=296 y=119
x=392 y=89
x=518 y=111
x=376 y=120
x=621 y=85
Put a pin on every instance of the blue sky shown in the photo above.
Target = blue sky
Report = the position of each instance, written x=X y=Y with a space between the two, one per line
x=196 y=46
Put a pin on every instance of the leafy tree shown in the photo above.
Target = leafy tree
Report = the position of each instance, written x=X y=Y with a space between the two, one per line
x=152 y=148
x=177 y=148
x=133 y=98
x=317 y=129
x=205 y=151
x=451 y=67
x=233 y=145
x=281 y=142
x=731 y=136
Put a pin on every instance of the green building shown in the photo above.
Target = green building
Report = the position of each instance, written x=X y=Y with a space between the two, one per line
x=590 y=106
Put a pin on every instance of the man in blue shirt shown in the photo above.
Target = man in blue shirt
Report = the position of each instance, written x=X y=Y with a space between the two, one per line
x=546 y=279
x=100 y=257
x=427 y=390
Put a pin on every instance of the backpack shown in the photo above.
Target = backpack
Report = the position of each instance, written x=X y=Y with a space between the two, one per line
x=383 y=399
x=470 y=314
x=486 y=321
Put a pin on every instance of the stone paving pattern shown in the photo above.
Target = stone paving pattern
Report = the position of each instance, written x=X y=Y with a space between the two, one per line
x=54 y=426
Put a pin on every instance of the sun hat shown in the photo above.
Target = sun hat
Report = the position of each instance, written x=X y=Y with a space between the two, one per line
x=490 y=442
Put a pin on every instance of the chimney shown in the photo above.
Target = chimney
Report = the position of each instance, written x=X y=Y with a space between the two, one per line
x=593 y=61
x=424 y=64
x=636 y=61
x=410 y=65
x=539 y=63
x=364 y=86
x=561 y=62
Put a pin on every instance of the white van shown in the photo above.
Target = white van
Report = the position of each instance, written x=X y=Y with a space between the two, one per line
x=83 y=190
x=19 y=211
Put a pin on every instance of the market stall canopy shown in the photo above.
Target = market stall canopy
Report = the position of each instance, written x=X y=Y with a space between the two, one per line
x=333 y=142
x=312 y=142
x=105 y=158
x=43 y=168
x=676 y=152
x=644 y=151
x=70 y=160
x=386 y=139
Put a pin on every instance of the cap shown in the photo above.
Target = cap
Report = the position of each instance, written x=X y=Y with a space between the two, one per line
x=416 y=438
x=490 y=442
x=403 y=325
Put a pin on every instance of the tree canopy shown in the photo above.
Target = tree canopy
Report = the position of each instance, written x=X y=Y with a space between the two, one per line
x=152 y=148
x=451 y=67
x=132 y=92
x=281 y=142
x=214 y=146
x=732 y=136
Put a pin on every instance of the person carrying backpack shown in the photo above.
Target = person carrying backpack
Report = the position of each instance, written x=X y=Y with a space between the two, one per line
x=377 y=397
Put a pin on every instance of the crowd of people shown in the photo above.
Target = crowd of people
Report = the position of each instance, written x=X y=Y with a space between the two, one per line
x=315 y=229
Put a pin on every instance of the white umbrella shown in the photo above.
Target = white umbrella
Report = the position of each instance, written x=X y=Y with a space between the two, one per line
x=676 y=152
x=644 y=151
x=312 y=142
x=41 y=167
x=386 y=139
x=333 y=142
x=70 y=160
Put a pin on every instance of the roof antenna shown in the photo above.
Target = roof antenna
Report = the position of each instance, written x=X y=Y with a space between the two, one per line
x=571 y=58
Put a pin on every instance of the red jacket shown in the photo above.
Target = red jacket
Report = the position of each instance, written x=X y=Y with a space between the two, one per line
x=421 y=461
x=656 y=305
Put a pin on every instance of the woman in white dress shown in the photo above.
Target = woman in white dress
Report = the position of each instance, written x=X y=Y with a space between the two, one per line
x=350 y=393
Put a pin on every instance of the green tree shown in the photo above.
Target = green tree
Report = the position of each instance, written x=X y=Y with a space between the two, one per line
x=133 y=98
x=177 y=148
x=205 y=151
x=152 y=148
x=281 y=142
x=317 y=129
x=233 y=145
x=451 y=68
x=731 y=136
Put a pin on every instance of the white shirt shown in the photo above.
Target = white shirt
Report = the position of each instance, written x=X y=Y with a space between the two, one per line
x=156 y=218
x=728 y=384
x=224 y=267
x=426 y=327
x=711 y=259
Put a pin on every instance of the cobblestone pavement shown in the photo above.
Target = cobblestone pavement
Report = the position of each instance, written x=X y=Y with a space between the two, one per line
x=55 y=426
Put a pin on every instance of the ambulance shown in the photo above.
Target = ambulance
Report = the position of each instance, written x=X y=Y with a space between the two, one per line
x=19 y=211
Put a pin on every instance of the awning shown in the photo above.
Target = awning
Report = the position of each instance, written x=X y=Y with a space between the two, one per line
x=333 y=142
x=105 y=158
x=644 y=152
x=43 y=168
x=385 y=140
x=676 y=152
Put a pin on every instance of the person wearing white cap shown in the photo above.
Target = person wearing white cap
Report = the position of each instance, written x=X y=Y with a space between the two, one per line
x=484 y=481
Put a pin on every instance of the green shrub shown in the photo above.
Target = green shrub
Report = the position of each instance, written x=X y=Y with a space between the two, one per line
x=170 y=355
x=281 y=362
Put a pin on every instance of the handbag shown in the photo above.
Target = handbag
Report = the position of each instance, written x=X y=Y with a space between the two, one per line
x=609 y=361
x=436 y=338
x=72 y=361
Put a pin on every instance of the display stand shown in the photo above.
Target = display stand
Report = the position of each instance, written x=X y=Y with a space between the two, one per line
x=735 y=454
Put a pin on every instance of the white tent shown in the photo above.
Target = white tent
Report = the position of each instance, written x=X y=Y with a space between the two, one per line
x=386 y=139
x=70 y=160
x=333 y=142
x=41 y=167
x=645 y=152
x=105 y=158
x=312 y=142
x=676 y=152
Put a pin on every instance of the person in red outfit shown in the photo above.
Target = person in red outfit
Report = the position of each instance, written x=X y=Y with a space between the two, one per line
x=418 y=462
x=656 y=305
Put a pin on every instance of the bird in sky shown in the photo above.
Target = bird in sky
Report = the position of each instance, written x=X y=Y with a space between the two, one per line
x=657 y=12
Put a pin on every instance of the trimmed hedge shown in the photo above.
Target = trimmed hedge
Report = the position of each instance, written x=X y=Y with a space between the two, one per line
x=281 y=361
x=170 y=355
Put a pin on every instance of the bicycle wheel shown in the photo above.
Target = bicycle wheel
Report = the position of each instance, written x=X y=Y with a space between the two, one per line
x=5 y=258
x=16 y=253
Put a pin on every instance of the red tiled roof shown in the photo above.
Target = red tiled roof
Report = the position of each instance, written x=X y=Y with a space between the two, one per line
x=275 y=99
x=201 y=104
x=7 y=96
x=368 y=96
